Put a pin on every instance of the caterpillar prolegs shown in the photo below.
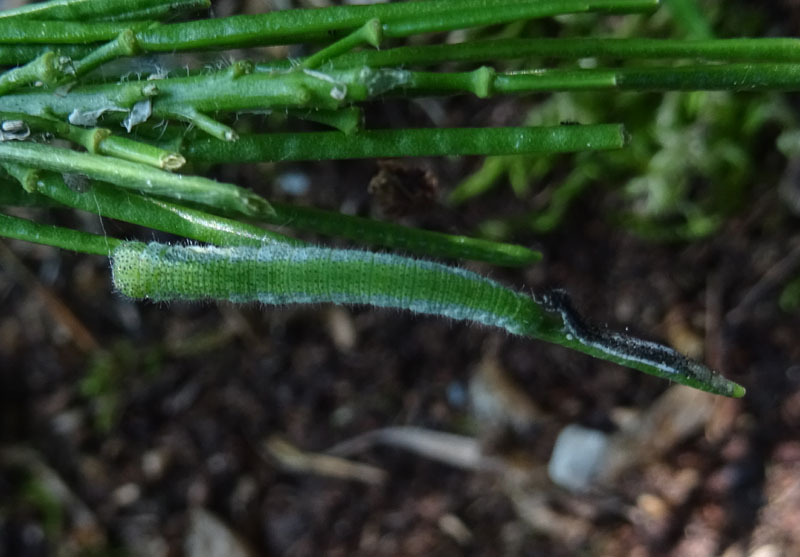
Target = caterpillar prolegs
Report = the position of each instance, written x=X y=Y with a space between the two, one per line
x=279 y=274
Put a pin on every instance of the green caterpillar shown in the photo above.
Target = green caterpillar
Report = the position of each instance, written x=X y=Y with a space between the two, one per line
x=279 y=274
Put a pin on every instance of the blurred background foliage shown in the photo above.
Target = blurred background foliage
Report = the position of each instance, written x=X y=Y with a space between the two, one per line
x=691 y=158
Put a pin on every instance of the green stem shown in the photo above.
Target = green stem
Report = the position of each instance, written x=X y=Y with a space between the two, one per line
x=122 y=45
x=81 y=10
x=22 y=53
x=189 y=97
x=460 y=18
x=30 y=31
x=89 y=103
x=159 y=12
x=346 y=120
x=65 y=238
x=370 y=33
x=408 y=143
x=295 y=26
x=753 y=50
x=192 y=116
x=136 y=151
x=483 y=82
x=27 y=177
x=100 y=141
x=232 y=89
x=280 y=27
x=47 y=68
x=362 y=22
x=135 y=176
x=414 y=240
x=105 y=200
x=725 y=77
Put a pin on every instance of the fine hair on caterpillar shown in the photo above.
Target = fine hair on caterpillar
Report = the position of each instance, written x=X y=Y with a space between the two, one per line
x=281 y=274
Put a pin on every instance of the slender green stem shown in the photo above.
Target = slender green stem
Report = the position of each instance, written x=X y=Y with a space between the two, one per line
x=370 y=33
x=202 y=226
x=81 y=10
x=396 y=20
x=729 y=50
x=414 y=240
x=288 y=26
x=399 y=19
x=111 y=202
x=135 y=176
x=483 y=82
x=195 y=117
x=101 y=141
x=460 y=18
x=728 y=77
x=136 y=151
x=84 y=106
x=294 y=26
x=346 y=120
x=122 y=45
x=27 y=177
x=189 y=98
x=30 y=31
x=57 y=236
x=232 y=89
x=22 y=53
x=159 y=12
x=408 y=143
x=47 y=68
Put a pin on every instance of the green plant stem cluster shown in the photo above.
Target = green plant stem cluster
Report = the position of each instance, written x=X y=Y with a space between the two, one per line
x=237 y=89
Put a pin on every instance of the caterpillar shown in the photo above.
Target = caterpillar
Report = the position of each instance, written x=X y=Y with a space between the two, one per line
x=282 y=274
x=279 y=274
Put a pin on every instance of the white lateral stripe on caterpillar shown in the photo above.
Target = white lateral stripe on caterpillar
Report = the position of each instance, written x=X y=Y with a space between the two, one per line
x=618 y=345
